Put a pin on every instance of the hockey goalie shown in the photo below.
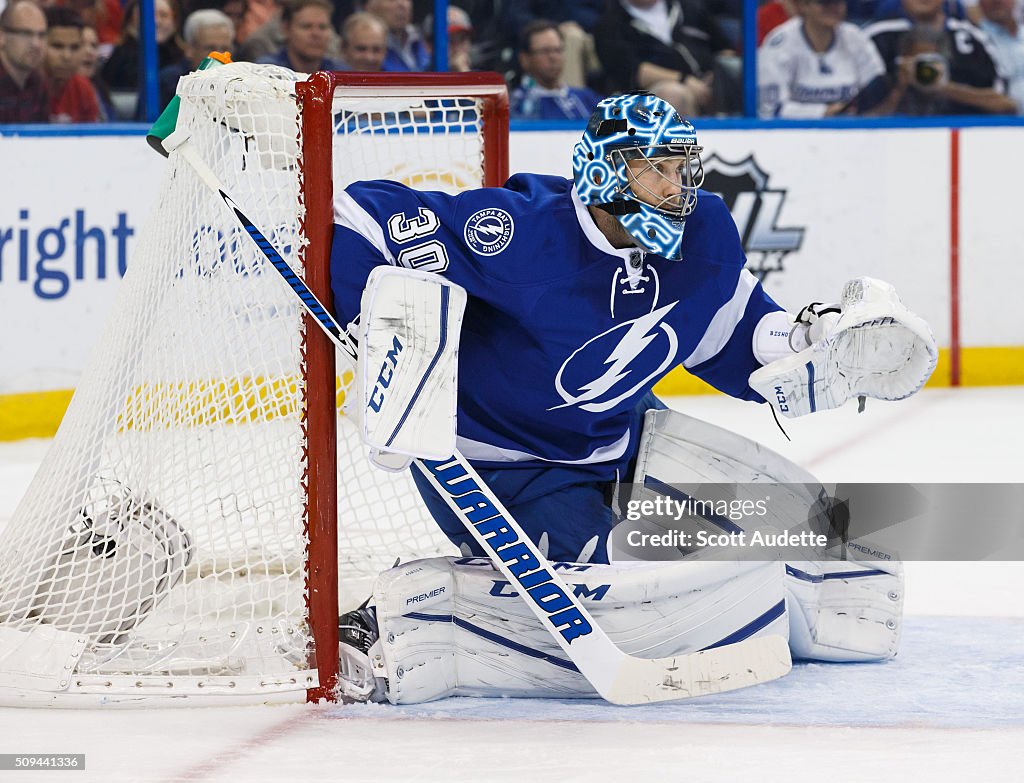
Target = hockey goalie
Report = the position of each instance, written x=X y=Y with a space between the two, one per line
x=524 y=327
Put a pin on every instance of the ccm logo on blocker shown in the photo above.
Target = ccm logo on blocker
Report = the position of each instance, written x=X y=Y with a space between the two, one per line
x=387 y=372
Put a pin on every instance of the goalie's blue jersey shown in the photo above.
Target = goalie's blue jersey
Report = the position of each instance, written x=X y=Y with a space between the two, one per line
x=563 y=334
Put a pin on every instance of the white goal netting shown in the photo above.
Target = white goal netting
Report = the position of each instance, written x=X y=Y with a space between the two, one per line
x=161 y=550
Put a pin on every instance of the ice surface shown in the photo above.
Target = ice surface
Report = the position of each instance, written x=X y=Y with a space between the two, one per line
x=949 y=707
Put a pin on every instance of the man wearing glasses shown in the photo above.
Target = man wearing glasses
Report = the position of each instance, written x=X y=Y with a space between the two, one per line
x=543 y=93
x=23 y=93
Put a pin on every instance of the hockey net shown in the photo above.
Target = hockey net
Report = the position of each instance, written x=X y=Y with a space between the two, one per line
x=178 y=539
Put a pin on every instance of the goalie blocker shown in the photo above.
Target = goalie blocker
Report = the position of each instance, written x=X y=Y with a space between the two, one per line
x=408 y=359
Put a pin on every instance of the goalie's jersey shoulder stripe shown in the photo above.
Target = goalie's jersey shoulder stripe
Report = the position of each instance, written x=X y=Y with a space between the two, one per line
x=724 y=323
x=349 y=213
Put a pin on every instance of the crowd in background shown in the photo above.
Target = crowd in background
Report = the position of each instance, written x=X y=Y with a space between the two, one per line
x=81 y=60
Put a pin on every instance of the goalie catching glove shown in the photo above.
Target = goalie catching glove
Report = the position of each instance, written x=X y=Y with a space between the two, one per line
x=876 y=348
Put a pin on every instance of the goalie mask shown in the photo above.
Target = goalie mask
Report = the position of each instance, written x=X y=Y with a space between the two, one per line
x=645 y=130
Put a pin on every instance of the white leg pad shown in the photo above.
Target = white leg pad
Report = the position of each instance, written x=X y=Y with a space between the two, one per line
x=455 y=627
x=839 y=610
x=844 y=611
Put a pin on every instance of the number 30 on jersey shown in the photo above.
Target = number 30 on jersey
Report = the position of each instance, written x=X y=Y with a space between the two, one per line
x=428 y=256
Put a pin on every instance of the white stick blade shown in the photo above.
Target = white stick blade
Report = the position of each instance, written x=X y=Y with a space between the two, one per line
x=728 y=668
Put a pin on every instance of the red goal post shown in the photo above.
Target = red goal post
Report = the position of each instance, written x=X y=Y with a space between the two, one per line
x=315 y=97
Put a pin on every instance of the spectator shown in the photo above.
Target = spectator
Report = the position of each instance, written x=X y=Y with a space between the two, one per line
x=406 y=48
x=460 y=39
x=575 y=20
x=23 y=92
x=364 y=43
x=1008 y=45
x=268 y=38
x=206 y=30
x=123 y=70
x=493 y=38
x=257 y=14
x=819 y=65
x=89 y=67
x=235 y=10
x=771 y=14
x=938 y=65
x=104 y=16
x=668 y=47
x=72 y=97
x=307 y=33
x=543 y=95
x=265 y=39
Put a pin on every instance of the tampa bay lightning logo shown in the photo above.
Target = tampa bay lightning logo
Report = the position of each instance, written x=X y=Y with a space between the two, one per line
x=489 y=231
x=618 y=363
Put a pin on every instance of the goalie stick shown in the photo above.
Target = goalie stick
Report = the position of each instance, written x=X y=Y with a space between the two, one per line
x=618 y=677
